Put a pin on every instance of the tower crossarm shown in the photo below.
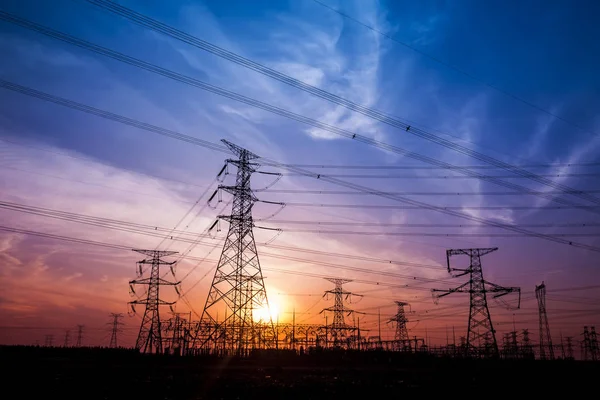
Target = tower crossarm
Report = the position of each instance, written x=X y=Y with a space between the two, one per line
x=159 y=302
x=238 y=151
x=148 y=281
x=155 y=253
x=479 y=252
x=445 y=292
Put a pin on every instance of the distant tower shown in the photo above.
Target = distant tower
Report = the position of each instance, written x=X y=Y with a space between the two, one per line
x=569 y=354
x=590 y=344
x=594 y=344
x=116 y=328
x=238 y=288
x=338 y=329
x=401 y=340
x=149 y=338
x=67 y=341
x=480 y=326
x=48 y=340
x=546 y=348
x=527 y=347
x=79 y=335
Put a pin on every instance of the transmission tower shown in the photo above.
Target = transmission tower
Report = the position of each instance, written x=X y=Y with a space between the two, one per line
x=401 y=337
x=338 y=329
x=569 y=354
x=48 y=340
x=67 y=341
x=79 y=335
x=149 y=338
x=590 y=344
x=116 y=328
x=480 y=326
x=546 y=348
x=527 y=348
x=594 y=344
x=238 y=289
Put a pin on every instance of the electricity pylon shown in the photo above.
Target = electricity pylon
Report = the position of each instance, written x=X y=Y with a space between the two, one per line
x=546 y=348
x=79 y=335
x=67 y=341
x=401 y=336
x=149 y=337
x=338 y=328
x=480 y=326
x=116 y=328
x=238 y=289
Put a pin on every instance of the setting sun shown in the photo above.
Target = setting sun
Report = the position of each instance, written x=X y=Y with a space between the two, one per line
x=263 y=313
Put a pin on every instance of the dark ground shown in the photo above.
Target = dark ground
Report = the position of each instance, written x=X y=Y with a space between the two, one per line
x=92 y=373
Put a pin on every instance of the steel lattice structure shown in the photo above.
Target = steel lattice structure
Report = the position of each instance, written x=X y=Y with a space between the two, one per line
x=546 y=348
x=480 y=328
x=401 y=335
x=238 y=288
x=116 y=328
x=79 y=335
x=338 y=329
x=149 y=338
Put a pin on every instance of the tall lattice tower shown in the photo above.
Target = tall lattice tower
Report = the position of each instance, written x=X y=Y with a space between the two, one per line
x=115 y=328
x=480 y=328
x=546 y=348
x=79 y=336
x=338 y=329
x=149 y=338
x=590 y=351
x=238 y=289
x=401 y=340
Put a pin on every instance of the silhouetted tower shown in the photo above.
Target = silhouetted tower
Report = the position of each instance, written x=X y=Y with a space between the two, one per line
x=79 y=335
x=480 y=326
x=569 y=354
x=48 y=339
x=546 y=348
x=338 y=329
x=67 y=341
x=594 y=344
x=527 y=348
x=401 y=336
x=116 y=328
x=149 y=338
x=238 y=288
x=590 y=344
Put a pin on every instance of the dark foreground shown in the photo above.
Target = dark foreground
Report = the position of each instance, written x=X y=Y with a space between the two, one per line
x=40 y=373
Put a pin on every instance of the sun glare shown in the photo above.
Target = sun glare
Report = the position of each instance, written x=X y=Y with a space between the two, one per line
x=264 y=313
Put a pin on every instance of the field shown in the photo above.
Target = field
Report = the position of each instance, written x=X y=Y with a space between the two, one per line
x=95 y=373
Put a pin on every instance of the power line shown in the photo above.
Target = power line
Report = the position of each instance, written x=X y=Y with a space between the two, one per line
x=288 y=258
x=439 y=61
x=421 y=167
x=315 y=91
x=433 y=234
x=462 y=194
x=151 y=230
x=390 y=176
x=417 y=207
x=325 y=178
x=421 y=225
x=326 y=192
x=255 y=103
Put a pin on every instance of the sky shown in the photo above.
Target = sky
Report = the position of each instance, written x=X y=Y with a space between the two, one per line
x=513 y=81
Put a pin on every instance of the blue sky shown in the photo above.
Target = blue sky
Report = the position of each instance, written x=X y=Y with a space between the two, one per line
x=544 y=53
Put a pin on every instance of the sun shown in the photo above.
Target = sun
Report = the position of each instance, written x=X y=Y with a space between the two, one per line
x=265 y=312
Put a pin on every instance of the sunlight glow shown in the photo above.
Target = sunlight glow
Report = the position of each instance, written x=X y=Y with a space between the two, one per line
x=263 y=313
